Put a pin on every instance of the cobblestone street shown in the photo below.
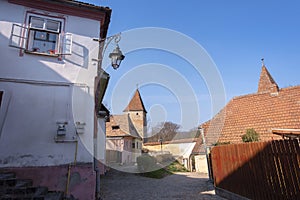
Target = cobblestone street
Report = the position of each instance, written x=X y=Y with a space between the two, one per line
x=126 y=186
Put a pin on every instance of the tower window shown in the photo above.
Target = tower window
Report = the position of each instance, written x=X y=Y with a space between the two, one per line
x=137 y=113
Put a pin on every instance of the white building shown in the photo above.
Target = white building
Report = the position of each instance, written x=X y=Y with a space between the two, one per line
x=47 y=88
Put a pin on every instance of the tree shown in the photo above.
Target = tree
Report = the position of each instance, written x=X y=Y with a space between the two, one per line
x=165 y=131
x=250 y=136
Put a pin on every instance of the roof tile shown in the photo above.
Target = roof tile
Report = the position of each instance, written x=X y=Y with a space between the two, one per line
x=261 y=111
x=126 y=127
x=136 y=103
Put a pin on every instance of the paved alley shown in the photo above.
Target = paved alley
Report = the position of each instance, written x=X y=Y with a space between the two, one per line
x=126 y=186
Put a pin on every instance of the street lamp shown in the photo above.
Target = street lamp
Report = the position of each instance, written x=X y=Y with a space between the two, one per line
x=160 y=141
x=116 y=56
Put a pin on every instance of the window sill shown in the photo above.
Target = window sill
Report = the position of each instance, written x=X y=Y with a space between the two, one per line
x=41 y=54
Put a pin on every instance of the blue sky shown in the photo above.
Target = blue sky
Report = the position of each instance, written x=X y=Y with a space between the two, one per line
x=236 y=35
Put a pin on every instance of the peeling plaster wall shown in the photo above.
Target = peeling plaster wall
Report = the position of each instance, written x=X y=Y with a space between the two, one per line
x=32 y=109
x=82 y=178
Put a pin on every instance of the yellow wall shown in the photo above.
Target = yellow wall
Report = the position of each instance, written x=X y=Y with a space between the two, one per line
x=175 y=149
x=201 y=164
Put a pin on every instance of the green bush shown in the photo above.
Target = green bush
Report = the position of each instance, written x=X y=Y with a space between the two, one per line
x=164 y=158
x=146 y=163
x=250 y=136
x=176 y=167
x=221 y=143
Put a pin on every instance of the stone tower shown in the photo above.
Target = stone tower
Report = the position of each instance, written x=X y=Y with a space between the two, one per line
x=137 y=113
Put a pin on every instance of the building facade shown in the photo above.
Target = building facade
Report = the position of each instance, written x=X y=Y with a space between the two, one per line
x=125 y=133
x=47 y=84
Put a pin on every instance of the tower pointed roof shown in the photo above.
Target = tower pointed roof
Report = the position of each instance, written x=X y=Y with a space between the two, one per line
x=136 y=103
x=266 y=82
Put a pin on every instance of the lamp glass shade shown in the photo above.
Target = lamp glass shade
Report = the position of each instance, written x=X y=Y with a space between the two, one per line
x=116 y=57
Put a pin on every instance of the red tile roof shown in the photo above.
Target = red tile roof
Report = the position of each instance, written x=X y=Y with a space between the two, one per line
x=126 y=127
x=136 y=103
x=72 y=7
x=80 y=3
x=262 y=111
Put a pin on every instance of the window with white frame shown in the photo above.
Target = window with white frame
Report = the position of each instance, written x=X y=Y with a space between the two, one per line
x=42 y=35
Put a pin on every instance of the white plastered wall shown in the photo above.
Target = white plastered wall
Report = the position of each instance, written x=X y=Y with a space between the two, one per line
x=40 y=91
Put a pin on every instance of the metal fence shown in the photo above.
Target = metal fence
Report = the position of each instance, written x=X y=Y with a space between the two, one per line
x=260 y=170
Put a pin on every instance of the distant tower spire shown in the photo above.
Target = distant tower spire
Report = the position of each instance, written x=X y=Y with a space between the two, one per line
x=263 y=62
x=137 y=113
x=136 y=103
x=266 y=82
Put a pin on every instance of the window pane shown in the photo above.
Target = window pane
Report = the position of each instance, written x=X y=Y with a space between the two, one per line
x=45 y=36
x=36 y=46
x=36 y=22
x=52 y=25
x=43 y=42
x=40 y=35
x=52 y=37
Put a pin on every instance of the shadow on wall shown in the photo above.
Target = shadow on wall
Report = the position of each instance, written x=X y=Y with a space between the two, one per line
x=23 y=115
x=80 y=55
x=261 y=170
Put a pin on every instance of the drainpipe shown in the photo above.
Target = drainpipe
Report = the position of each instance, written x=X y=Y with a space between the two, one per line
x=97 y=78
x=97 y=170
x=101 y=114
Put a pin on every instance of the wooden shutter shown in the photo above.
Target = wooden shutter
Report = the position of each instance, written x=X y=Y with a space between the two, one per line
x=66 y=44
x=18 y=37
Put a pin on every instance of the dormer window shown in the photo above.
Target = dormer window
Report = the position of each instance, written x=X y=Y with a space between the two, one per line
x=42 y=36
x=116 y=127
